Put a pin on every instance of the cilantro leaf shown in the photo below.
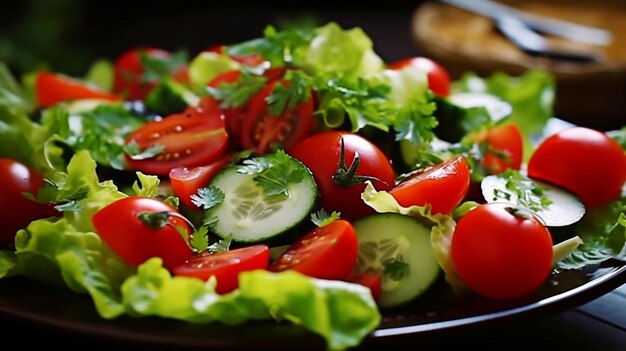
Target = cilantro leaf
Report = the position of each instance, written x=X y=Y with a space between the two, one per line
x=322 y=218
x=284 y=170
x=297 y=91
x=239 y=92
x=200 y=239
x=222 y=245
x=254 y=165
x=528 y=193
x=416 y=122
x=208 y=197
x=396 y=269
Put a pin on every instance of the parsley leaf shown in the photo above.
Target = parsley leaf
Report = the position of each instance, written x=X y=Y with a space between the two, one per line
x=297 y=91
x=528 y=193
x=200 y=239
x=322 y=218
x=254 y=165
x=396 y=269
x=416 y=122
x=208 y=197
x=239 y=92
x=133 y=150
x=284 y=170
x=222 y=245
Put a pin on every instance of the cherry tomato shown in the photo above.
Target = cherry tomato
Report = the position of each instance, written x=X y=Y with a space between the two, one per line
x=248 y=60
x=443 y=186
x=505 y=148
x=501 y=252
x=186 y=181
x=225 y=266
x=587 y=162
x=264 y=132
x=321 y=154
x=16 y=210
x=328 y=252
x=438 y=77
x=129 y=80
x=234 y=116
x=373 y=281
x=52 y=88
x=195 y=137
x=119 y=225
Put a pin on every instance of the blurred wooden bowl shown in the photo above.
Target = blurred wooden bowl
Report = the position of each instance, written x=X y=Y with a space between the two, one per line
x=591 y=94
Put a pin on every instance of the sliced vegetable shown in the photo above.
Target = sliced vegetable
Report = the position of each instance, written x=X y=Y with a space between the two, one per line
x=398 y=248
x=52 y=88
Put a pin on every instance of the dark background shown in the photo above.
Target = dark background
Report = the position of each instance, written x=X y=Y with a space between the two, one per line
x=66 y=35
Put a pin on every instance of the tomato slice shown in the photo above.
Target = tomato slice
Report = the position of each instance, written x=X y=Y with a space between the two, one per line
x=328 y=252
x=53 y=88
x=442 y=186
x=265 y=132
x=225 y=266
x=373 y=281
x=192 y=138
x=186 y=181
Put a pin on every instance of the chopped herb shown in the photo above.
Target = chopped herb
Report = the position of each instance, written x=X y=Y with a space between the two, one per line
x=396 y=269
x=322 y=218
x=208 y=197
x=528 y=193
x=222 y=245
x=239 y=92
x=254 y=165
x=416 y=122
x=133 y=150
x=200 y=239
x=283 y=171
x=297 y=91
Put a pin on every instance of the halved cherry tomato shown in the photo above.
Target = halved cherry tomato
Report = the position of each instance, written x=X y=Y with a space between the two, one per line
x=119 y=225
x=186 y=181
x=225 y=266
x=505 y=148
x=195 y=137
x=438 y=77
x=373 y=281
x=443 y=186
x=321 y=154
x=129 y=80
x=16 y=210
x=53 y=88
x=234 y=116
x=328 y=252
x=501 y=252
x=585 y=161
x=265 y=132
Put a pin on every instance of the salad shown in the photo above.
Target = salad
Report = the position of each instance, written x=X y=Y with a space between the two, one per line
x=297 y=177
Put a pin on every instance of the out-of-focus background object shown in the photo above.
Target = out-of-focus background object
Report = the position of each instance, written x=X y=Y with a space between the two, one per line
x=589 y=93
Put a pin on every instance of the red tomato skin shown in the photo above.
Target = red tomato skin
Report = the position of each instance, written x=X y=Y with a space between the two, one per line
x=506 y=139
x=442 y=186
x=52 y=88
x=373 y=281
x=500 y=255
x=261 y=130
x=438 y=77
x=186 y=181
x=17 y=211
x=128 y=73
x=193 y=138
x=328 y=252
x=587 y=162
x=320 y=153
x=225 y=266
x=119 y=226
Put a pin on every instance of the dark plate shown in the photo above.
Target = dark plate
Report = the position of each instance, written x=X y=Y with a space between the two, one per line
x=436 y=315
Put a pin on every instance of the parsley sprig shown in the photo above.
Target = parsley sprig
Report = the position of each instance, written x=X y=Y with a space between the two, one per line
x=524 y=191
x=274 y=173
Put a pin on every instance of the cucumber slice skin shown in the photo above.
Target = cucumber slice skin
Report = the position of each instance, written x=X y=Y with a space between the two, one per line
x=251 y=217
x=387 y=237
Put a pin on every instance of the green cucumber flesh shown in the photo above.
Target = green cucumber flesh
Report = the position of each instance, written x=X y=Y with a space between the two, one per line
x=389 y=239
x=250 y=216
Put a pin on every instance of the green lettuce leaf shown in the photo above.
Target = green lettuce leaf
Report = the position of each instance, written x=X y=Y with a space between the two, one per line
x=531 y=95
x=348 y=53
x=442 y=228
x=340 y=312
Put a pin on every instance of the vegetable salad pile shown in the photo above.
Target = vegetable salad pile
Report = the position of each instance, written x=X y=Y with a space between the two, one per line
x=297 y=176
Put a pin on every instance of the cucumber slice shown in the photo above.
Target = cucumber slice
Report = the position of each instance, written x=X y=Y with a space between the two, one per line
x=397 y=247
x=251 y=216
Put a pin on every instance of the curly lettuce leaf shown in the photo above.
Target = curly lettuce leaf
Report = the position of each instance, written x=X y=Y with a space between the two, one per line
x=442 y=228
x=340 y=312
